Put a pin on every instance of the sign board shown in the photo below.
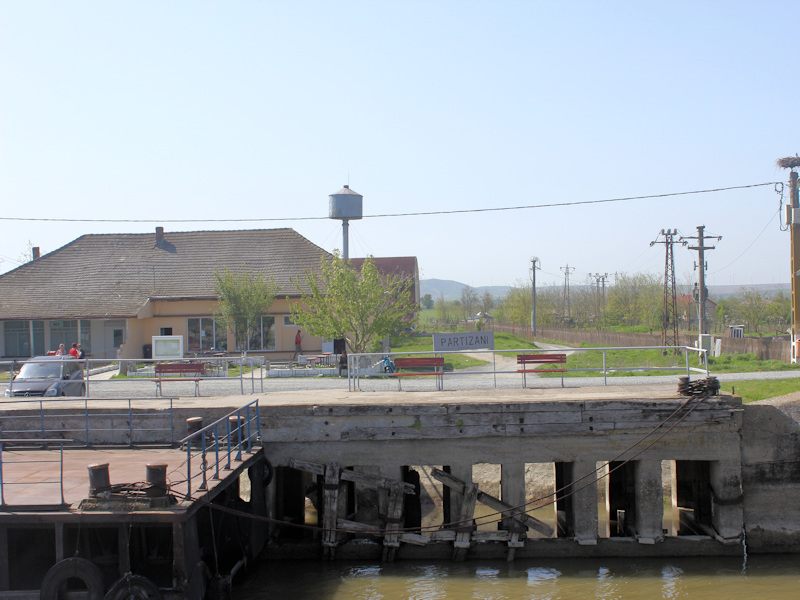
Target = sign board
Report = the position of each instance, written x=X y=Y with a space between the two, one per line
x=167 y=347
x=473 y=340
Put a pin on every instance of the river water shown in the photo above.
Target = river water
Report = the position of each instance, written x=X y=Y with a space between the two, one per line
x=767 y=577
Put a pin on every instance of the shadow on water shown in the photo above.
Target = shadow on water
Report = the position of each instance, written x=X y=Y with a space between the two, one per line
x=706 y=578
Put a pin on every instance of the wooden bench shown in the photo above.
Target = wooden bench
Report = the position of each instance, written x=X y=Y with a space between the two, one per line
x=181 y=371
x=523 y=360
x=431 y=362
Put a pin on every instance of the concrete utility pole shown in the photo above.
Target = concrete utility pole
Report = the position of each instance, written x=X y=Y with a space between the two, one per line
x=598 y=279
x=567 y=310
x=534 y=267
x=793 y=222
x=702 y=290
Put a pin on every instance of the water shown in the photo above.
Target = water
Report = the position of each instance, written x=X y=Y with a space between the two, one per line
x=767 y=577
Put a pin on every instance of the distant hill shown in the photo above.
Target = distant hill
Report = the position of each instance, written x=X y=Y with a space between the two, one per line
x=452 y=289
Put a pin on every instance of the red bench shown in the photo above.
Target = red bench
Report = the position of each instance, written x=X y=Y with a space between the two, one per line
x=523 y=360
x=431 y=362
x=181 y=371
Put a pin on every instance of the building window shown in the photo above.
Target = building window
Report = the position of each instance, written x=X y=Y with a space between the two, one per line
x=206 y=334
x=17 y=338
x=287 y=321
x=262 y=337
x=63 y=332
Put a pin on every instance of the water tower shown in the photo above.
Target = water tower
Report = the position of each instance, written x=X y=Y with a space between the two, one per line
x=345 y=205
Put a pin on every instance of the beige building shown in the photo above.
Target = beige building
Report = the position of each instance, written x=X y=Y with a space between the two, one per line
x=114 y=292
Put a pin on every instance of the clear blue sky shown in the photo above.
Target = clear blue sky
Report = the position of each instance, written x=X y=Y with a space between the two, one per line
x=260 y=109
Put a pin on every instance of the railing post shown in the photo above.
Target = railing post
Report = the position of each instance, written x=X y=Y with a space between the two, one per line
x=130 y=424
x=249 y=444
x=41 y=419
x=171 y=423
x=228 y=440
x=86 y=377
x=188 y=468
x=2 y=496
x=686 y=354
x=258 y=422
x=241 y=373
x=203 y=463
x=86 y=418
x=239 y=435
x=216 y=451
x=61 y=473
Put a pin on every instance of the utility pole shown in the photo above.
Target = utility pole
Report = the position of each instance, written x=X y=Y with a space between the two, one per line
x=702 y=290
x=598 y=278
x=567 y=311
x=534 y=267
x=669 y=316
x=793 y=222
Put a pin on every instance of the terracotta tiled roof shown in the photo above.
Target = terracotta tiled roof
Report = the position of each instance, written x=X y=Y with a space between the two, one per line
x=114 y=275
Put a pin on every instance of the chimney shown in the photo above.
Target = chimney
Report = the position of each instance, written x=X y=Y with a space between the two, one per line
x=35 y=252
x=159 y=236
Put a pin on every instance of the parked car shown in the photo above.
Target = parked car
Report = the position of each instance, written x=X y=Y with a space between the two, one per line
x=48 y=376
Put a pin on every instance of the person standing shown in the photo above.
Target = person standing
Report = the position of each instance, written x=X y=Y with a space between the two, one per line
x=60 y=351
x=298 y=341
x=73 y=352
x=81 y=353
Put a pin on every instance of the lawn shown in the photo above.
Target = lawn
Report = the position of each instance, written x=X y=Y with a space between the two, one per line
x=752 y=390
x=455 y=361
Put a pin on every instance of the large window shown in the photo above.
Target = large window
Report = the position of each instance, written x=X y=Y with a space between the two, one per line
x=206 y=334
x=17 y=338
x=262 y=337
x=63 y=332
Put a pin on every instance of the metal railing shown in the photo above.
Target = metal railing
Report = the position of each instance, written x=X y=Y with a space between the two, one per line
x=50 y=419
x=373 y=364
x=215 y=368
x=31 y=442
x=214 y=444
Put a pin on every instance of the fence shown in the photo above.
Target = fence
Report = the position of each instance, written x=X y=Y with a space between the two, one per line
x=380 y=365
x=140 y=420
x=764 y=348
x=213 y=369
x=18 y=460
x=221 y=437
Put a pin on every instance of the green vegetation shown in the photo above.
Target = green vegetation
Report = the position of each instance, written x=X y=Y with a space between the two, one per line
x=401 y=344
x=361 y=305
x=753 y=390
x=242 y=299
x=747 y=363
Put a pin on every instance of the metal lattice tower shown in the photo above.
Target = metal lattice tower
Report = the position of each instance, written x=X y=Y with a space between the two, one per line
x=567 y=311
x=669 y=315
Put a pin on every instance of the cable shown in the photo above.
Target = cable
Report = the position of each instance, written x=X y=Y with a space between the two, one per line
x=748 y=247
x=415 y=214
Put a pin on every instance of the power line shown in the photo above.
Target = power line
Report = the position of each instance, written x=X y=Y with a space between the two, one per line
x=389 y=215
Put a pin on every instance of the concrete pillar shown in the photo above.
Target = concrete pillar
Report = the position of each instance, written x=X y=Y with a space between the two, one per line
x=604 y=502
x=649 y=501
x=512 y=491
x=584 y=502
x=726 y=483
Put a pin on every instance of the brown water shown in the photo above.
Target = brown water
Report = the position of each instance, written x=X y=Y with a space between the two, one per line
x=767 y=577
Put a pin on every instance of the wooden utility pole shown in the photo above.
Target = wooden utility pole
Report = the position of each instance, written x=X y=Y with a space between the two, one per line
x=702 y=290
x=534 y=267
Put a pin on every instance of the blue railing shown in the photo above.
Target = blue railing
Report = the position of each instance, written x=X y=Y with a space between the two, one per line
x=30 y=442
x=135 y=416
x=219 y=441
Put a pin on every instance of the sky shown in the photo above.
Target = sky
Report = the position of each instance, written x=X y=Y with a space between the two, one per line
x=152 y=113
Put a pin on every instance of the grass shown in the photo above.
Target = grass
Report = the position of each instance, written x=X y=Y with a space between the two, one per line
x=752 y=390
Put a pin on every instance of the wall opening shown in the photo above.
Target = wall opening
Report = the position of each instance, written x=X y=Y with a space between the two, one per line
x=693 y=482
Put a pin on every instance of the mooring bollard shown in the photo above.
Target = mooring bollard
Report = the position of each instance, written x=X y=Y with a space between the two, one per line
x=156 y=479
x=99 y=481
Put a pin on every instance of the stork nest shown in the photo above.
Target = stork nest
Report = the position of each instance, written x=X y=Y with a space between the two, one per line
x=790 y=162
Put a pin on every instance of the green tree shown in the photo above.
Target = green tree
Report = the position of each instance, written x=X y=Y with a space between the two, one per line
x=426 y=301
x=242 y=299
x=361 y=306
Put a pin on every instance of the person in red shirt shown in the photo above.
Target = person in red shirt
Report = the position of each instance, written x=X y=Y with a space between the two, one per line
x=297 y=343
x=73 y=352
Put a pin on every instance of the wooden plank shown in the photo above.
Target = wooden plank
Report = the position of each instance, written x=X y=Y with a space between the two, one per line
x=310 y=467
x=394 y=519
x=356 y=526
x=416 y=539
x=464 y=534
x=443 y=535
x=376 y=481
x=501 y=535
x=330 y=495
